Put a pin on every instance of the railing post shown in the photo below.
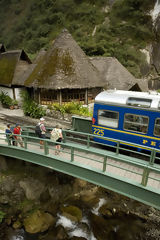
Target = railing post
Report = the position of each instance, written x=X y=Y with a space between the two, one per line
x=8 y=140
x=72 y=154
x=117 y=149
x=64 y=136
x=46 y=150
x=25 y=142
x=145 y=176
x=104 y=163
x=88 y=141
x=152 y=157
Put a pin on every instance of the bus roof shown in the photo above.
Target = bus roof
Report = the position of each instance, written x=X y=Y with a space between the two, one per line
x=136 y=99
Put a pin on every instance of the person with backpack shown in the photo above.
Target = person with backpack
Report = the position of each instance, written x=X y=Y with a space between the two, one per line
x=56 y=135
x=9 y=135
x=40 y=131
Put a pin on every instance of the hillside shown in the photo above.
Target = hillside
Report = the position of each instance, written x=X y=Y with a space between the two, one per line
x=120 y=30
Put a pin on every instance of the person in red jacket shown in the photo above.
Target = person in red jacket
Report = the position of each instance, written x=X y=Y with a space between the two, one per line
x=17 y=130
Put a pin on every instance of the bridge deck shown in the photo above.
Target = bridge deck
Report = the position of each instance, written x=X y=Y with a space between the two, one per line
x=130 y=176
x=116 y=167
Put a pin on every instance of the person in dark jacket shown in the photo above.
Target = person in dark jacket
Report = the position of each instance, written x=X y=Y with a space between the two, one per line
x=9 y=134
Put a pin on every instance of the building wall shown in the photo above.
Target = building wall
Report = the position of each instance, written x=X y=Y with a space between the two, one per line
x=49 y=96
x=9 y=91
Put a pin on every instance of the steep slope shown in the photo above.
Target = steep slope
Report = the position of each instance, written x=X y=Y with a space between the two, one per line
x=115 y=28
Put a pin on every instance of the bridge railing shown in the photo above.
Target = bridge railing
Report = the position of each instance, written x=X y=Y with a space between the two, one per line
x=150 y=154
x=71 y=151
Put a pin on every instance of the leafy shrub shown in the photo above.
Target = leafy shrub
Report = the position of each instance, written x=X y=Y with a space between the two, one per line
x=72 y=108
x=5 y=99
x=30 y=107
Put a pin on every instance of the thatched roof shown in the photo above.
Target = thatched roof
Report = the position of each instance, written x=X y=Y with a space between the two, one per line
x=113 y=73
x=2 y=48
x=143 y=84
x=64 y=65
x=8 y=67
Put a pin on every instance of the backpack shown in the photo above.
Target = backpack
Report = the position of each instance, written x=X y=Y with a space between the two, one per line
x=55 y=134
x=38 y=130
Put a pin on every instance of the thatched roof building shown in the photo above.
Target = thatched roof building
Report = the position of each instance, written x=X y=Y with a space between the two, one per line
x=64 y=65
x=65 y=71
x=114 y=75
x=13 y=64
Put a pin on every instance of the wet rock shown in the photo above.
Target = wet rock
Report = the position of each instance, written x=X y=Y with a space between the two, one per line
x=100 y=227
x=17 y=225
x=38 y=222
x=32 y=188
x=72 y=212
x=60 y=192
x=89 y=195
x=61 y=233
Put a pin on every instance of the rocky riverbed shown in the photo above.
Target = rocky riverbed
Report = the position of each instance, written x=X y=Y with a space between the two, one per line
x=39 y=203
x=49 y=205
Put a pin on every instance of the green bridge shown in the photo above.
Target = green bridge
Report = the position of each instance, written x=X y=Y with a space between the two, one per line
x=119 y=170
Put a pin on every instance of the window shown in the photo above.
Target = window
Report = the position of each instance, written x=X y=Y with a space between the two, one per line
x=108 y=118
x=139 y=102
x=157 y=127
x=136 y=123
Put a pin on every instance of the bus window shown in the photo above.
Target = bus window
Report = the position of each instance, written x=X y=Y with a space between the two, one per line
x=108 y=118
x=157 y=127
x=136 y=123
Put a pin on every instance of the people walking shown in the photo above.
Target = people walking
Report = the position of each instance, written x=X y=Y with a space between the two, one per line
x=42 y=131
x=9 y=135
x=18 y=139
x=56 y=135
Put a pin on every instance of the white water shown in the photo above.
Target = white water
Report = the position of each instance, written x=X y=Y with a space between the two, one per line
x=73 y=229
x=101 y=202
x=155 y=11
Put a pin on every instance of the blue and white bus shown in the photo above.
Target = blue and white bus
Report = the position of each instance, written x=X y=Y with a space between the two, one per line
x=133 y=117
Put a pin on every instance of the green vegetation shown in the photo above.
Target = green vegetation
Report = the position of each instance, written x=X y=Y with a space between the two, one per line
x=121 y=31
x=6 y=100
x=2 y=214
x=30 y=107
x=71 y=108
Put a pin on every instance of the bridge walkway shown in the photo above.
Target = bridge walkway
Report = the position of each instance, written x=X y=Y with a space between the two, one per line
x=127 y=175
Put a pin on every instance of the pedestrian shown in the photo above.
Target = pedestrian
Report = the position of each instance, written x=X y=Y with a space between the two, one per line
x=9 y=134
x=18 y=139
x=43 y=131
x=56 y=135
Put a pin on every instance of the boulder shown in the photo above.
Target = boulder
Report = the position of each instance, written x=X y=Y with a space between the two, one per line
x=38 y=221
x=72 y=212
x=32 y=188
